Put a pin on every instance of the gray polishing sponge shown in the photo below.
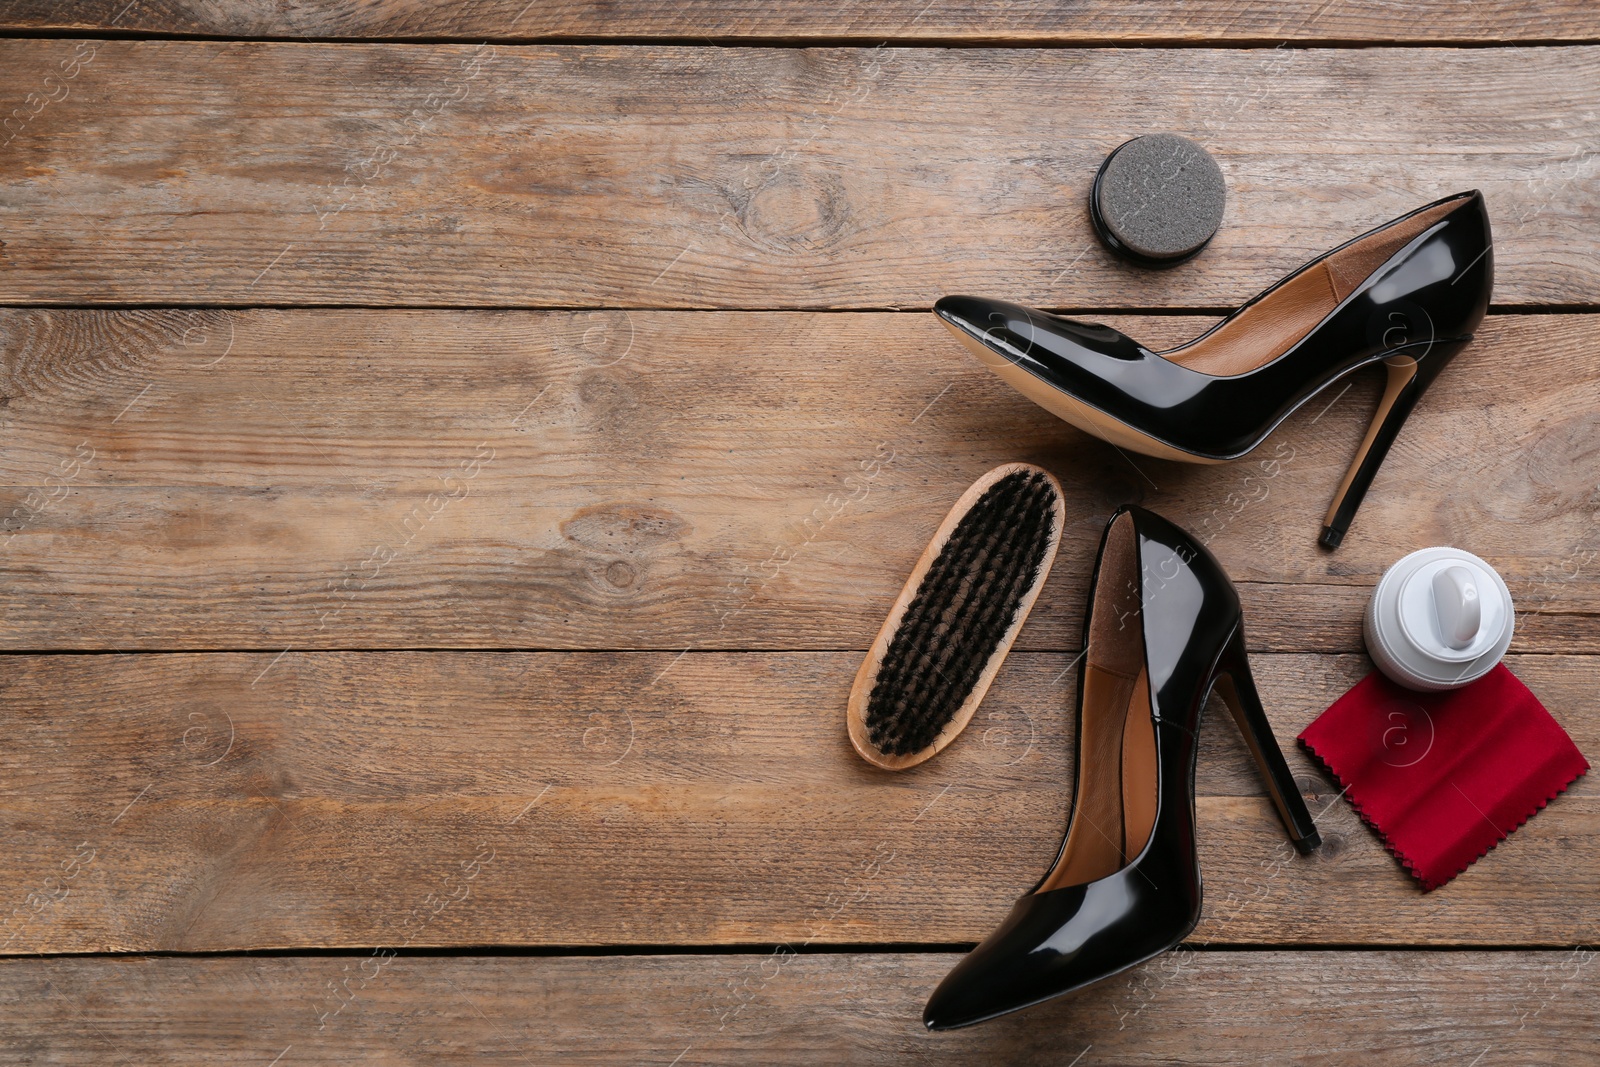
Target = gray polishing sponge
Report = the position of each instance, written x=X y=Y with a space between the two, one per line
x=1157 y=199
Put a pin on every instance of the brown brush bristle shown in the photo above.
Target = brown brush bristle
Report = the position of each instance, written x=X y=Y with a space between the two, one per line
x=961 y=611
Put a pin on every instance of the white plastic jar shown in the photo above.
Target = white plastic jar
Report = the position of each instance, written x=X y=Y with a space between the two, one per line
x=1439 y=618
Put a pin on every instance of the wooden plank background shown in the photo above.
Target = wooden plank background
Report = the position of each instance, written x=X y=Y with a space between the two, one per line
x=260 y=480
x=1202 y=1008
x=627 y=799
x=452 y=460
x=231 y=173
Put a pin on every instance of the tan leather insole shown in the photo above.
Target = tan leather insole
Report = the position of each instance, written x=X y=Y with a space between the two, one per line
x=1115 y=807
x=1266 y=330
x=1139 y=771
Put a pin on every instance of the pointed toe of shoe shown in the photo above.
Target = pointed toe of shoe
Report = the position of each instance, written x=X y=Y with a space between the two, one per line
x=939 y=1015
x=973 y=992
x=1015 y=967
x=970 y=318
x=995 y=331
x=982 y=315
x=964 y=310
x=1060 y=941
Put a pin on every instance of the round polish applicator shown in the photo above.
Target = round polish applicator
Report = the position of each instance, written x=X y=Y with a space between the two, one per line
x=1157 y=200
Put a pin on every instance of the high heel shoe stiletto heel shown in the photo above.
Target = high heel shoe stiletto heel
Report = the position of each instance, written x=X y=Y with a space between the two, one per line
x=1409 y=293
x=1164 y=627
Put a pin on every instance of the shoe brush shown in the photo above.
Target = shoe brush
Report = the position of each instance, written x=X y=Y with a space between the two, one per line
x=957 y=617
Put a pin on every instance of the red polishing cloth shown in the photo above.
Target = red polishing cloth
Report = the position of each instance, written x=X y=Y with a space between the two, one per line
x=1444 y=777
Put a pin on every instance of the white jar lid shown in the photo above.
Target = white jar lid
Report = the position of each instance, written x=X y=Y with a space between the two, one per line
x=1439 y=618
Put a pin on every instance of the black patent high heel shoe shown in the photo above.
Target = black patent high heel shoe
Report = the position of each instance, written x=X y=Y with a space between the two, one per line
x=1409 y=294
x=1164 y=627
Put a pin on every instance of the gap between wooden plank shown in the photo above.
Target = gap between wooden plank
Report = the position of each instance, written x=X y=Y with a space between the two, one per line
x=1095 y=23
x=819 y=41
x=754 y=948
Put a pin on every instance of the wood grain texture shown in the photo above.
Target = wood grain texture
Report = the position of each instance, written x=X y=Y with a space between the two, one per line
x=268 y=479
x=701 y=513
x=223 y=802
x=559 y=176
x=1202 y=1008
x=1060 y=21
